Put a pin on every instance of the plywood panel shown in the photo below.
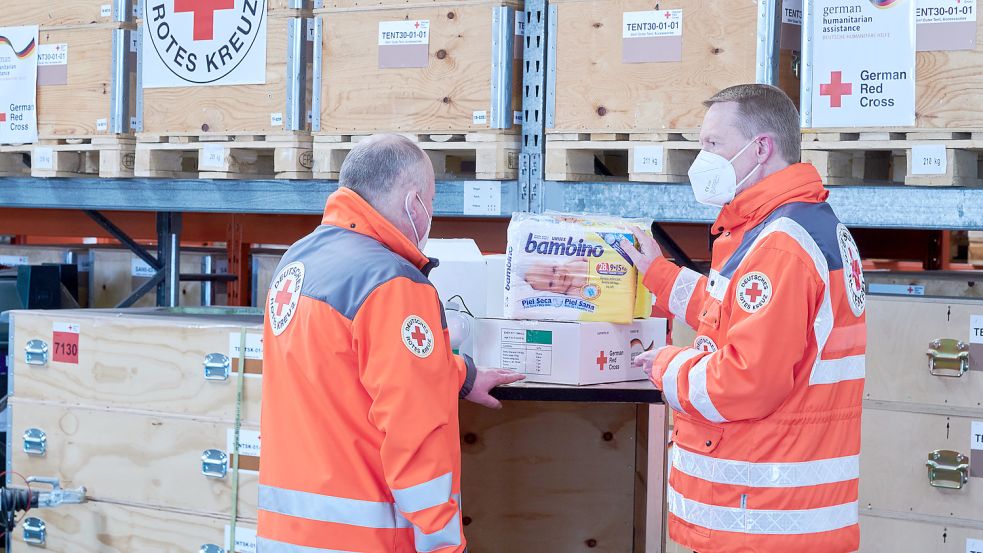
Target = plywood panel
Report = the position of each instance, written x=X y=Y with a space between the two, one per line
x=358 y=97
x=893 y=475
x=132 y=458
x=112 y=279
x=548 y=477
x=49 y=13
x=899 y=330
x=952 y=285
x=37 y=255
x=264 y=269
x=892 y=535
x=146 y=362
x=949 y=88
x=97 y=527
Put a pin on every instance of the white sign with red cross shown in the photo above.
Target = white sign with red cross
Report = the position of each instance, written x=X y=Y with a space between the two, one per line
x=853 y=271
x=863 y=63
x=754 y=291
x=284 y=296
x=18 y=83
x=417 y=336
x=203 y=42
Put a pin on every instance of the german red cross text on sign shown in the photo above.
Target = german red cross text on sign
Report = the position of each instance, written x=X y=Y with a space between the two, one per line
x=754 y=291
x=284 y=296
x=863 y=64
x=417 y=336
x=203 y=42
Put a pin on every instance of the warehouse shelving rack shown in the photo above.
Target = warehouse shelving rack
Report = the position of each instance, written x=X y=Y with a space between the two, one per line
x=181 y=206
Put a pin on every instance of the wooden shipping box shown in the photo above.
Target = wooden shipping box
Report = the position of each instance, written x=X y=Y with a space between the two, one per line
x=452 y=94
x=900 y=331
x=597 y=92
x=264 y=266
x=138 y=458
x=247 y=109
x=116 y=273
x=75 y=99
x=949 y=284
x=904 y=534
x=141 y=359
x=97 y=527
x=51 y=13
x=13 y=255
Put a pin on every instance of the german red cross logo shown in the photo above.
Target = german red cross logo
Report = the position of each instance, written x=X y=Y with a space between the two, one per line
x=853 y=270
x=284 y=296
x=836 y=89
x=754 y=291
x=417 y=336
x=204 y=12
x=705 y=343
x=602 y=361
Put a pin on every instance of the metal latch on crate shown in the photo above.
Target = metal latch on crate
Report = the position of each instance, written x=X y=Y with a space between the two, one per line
x=217 y=366
x=211 y=548
x=948 y=357
x=35 y=531
x=36 y=353
x=214 y=463
x=947 y=469
x=35 y=441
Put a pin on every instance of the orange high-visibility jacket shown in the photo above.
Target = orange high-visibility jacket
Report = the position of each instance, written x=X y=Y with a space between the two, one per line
x=767 y=400
x=360 y=440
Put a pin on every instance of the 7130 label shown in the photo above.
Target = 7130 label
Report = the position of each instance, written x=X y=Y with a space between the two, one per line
x=65 y=343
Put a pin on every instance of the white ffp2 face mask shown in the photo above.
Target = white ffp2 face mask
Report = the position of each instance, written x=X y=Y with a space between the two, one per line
x=713 y=179
x=421 y=242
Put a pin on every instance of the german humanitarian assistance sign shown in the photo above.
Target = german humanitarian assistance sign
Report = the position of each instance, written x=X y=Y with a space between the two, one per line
x=863 y=63
x=203 y=42
x=18 y=84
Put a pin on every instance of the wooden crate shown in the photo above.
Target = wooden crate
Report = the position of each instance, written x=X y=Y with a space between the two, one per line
x=899 y=331
x=12 y=255
x=597 y=93
x=230 y=110
x=75 y=100
x=264 y=264
x=976 y=247
x=114 y=276
x=145 y=359
x=896 y=443
x=950 y=284
x=97 y=527
x=135 y=458
x=447 y=96
x=55 y=13
x=882 y=534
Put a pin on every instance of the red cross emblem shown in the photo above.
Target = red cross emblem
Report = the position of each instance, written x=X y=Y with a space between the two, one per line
x=836 y=89
x=855 y=271
x=3 y=117
x=911 y=290
x=204 y=11
x=418 y=336
x=417 y=24
x=754 y=292
x=668 y=15
x=283 y=297
x=602 y=360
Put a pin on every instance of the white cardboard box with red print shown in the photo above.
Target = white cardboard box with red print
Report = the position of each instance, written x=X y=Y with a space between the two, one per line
x=567 y=352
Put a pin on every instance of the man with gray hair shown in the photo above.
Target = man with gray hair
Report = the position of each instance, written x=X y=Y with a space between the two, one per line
x=767 y=399
x=361 y=449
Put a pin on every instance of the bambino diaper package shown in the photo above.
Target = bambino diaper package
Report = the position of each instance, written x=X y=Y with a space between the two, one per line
x=563 y=267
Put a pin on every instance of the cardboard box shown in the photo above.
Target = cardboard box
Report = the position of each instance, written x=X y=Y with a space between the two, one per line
x=567 y=352
x=495 y=284
x=461 y=273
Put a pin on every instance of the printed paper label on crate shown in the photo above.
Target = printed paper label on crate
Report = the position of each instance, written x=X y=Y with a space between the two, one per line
x=84 y=263
x=134 y=44
x=106 y=10
x=654 y=23
x=946 y=25
x=928 y=159
x=976 y=343
x=517 y=118
x=276 y=119
x=13 y=260
x=134 y=123
x=527 y=351
x=479 y=118
x=974 y=546
x=18 y=84
x=65 y=343
x=102 y=124
x=311 y=25
x=792 y=12
x=140 y=269
x=483 y=198
x=976 y=449
x=520 y=23
x=212 y=157
x=43 y=158
x=875 y=89
x=52 y=54
x=187 y=44
x=245 y=539
x=248 y=442
x=652 y=36
x=649 y=159
x=254 y=345
x=404 y=33
x=896 y=289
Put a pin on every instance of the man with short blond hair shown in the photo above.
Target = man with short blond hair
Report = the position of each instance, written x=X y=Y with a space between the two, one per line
x=767 y=400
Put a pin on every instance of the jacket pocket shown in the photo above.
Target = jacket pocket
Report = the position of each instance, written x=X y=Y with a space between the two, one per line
x=710 y=315
x=696 y=436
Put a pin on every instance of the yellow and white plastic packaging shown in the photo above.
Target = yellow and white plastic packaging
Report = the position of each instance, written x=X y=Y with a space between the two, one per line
x=571 y=268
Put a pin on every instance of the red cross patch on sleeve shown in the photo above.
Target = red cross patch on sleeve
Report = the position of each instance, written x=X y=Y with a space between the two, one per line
x=417 y=336
x=754 y=291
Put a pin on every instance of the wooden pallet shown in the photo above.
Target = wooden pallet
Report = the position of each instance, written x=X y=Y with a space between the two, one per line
x=484 y=156
x=612 y=156
x=287 y=156
x=886 y=155
x=103 y=157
